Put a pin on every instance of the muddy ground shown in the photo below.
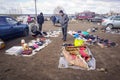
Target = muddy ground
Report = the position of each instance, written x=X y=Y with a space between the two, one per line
x=44 y=65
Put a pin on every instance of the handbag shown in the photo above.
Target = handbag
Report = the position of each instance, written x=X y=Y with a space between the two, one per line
x=27 y=52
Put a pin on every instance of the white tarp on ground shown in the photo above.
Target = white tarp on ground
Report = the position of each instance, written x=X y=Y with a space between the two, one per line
x=53 y=33
x=17 y=50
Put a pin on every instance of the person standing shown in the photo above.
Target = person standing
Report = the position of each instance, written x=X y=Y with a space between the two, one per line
x=64 y=24
x=29 y=20
x=53 y=20
x=40 y=20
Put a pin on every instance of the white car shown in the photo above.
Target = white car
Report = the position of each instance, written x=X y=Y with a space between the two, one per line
x=111 y=22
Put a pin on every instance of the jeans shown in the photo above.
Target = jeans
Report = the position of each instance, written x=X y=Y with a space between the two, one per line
x=64 y=32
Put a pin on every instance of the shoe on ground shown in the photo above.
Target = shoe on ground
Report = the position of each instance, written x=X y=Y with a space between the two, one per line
x=34 y=36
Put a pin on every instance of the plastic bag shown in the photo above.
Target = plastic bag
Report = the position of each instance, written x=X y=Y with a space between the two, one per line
x=78 y=42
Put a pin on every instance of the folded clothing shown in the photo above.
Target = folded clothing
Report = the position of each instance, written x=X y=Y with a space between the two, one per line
x=39 y=43
x=35 y=45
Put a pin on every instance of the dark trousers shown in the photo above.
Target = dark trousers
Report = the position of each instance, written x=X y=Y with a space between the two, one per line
x=64 y=32
x=40 y=27
x=53 y=22
x=37 y=33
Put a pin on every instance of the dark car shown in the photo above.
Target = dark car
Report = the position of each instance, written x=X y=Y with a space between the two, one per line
x=85 y=15
x=10 y=28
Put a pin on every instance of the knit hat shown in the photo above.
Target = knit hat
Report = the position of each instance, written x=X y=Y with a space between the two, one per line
x=61 y=11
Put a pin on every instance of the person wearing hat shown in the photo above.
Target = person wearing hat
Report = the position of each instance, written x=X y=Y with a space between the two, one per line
x=40 y=20
x=64 y=24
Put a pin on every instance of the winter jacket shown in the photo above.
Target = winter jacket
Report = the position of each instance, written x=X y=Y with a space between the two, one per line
x=40 y=19
x=33 y=28
x=64 y=20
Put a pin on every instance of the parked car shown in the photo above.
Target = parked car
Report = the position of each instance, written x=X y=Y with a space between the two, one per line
x=10 y=28
x=72 y=17
x=85 y=15
x=97 y=19
x=112 y=22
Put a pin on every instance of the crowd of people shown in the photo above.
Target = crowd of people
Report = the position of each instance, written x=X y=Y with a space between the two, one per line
x=37 y=29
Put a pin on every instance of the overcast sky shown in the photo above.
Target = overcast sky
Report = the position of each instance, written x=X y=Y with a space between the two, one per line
x=70 y=6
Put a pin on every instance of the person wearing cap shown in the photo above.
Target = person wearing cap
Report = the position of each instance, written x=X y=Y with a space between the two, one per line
x=64 y=24
x=40 y=20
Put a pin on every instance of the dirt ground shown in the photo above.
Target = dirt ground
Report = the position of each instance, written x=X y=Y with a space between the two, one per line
x=44 y=65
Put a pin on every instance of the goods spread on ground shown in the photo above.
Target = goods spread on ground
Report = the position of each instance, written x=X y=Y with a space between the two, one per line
x=31 y=48
x=112 y=31
x=76 y=57
x=92 y=39
x=53 y=33
x=28 y=49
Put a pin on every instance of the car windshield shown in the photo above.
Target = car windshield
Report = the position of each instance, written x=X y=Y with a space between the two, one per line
x=11 y=21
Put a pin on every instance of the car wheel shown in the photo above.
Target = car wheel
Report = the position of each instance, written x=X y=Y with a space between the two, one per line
x=25 y=32
x=110 y=26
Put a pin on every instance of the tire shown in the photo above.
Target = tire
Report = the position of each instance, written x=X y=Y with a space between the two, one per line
x=25 y=32
x=110 y=26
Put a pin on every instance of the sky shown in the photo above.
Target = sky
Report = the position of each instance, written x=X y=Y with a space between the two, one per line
x=48 y=6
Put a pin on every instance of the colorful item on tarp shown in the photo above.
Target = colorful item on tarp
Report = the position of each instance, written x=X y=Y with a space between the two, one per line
x=76 y=35
x=79 y=42
x=2 y=44
x=27 y=52
x=85 y=33
x=84 y=53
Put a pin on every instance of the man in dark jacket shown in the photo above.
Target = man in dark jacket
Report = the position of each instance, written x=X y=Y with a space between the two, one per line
x=53 y=18
x=40 y=20
x=64 y=24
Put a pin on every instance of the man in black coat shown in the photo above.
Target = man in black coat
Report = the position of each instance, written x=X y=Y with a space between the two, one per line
x=40 y=20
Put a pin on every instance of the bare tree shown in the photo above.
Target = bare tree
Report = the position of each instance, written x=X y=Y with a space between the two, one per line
x=57 y=9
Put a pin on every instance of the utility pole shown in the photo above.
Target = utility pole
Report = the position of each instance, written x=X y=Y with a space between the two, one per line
x=35 y=10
